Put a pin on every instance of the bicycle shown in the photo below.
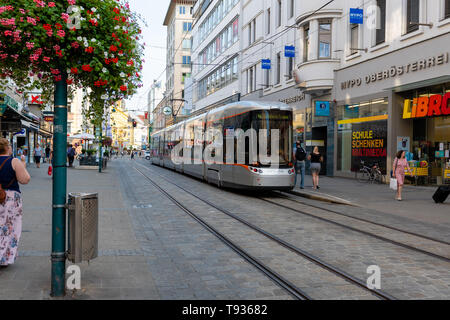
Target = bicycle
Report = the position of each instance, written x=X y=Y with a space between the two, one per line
x=370 y=174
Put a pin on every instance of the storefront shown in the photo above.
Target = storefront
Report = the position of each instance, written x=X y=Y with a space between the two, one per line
x=397 y=101
x=312 y=121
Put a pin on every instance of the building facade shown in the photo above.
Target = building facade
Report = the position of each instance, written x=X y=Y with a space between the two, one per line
x=215 y=52
x=179 y=22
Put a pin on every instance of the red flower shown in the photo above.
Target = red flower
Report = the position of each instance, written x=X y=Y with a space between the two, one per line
x=74 y=70
x=89 y=49
x=75 y=45
x=93 y=22
x=123 y=88
x=58 y=26
x=69 y=81
x=58 y=78
x=113 y=48
x=59 y=53
x=107 y=61
x=47 y=27
x=115 y=60
x=46 y=59
x=87 y=68
x=130 y=63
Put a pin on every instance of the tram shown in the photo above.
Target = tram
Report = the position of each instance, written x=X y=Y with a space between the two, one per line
x=246 y=171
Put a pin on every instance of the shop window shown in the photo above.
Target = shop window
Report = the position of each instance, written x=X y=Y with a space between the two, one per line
x=381 y=28
x=324 y=39
x=412 y=15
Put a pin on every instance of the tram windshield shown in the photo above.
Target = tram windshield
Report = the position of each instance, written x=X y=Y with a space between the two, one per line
x=282 y=121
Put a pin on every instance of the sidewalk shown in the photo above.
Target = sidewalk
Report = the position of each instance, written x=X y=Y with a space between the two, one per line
x=417 y=202
x=120 y=271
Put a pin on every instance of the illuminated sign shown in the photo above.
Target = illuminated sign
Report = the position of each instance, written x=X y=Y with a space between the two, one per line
x=436 y=105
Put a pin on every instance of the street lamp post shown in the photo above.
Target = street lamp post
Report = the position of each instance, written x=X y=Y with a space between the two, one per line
x=58 y=256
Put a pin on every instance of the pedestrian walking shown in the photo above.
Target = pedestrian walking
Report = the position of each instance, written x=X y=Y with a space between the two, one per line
x=300 y=157
x=47 y=153
x=37 y=155
x=132 y=155
x=316 y=164
x=71 y=155
x=400 y=164
x=12 y=172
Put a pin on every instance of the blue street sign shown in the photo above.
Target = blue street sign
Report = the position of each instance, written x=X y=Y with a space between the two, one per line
x=356 y=16
x=265 y=64
x=289 y=51
x=322 y=108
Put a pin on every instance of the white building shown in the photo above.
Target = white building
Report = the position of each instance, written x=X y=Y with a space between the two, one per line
x=215 y=52
x=179 y=28
x=361 y=72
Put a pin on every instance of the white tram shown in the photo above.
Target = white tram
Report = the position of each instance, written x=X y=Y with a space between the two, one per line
x=190 y=136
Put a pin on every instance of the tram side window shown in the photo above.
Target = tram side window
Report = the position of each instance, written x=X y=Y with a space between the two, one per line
x=243 y=122
x=189 y=140
x=229 y=126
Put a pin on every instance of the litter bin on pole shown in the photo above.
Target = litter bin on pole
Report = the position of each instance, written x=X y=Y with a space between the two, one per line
x=83 y=227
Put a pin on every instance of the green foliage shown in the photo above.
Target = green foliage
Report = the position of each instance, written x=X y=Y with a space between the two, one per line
x=95 y=48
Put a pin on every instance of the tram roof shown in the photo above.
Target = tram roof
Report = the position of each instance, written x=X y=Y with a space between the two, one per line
x=242 y=104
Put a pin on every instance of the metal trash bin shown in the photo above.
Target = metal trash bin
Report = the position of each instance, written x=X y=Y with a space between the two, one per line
x=83 y=227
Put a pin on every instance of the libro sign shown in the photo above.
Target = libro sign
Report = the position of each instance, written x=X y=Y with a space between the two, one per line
x=436 y=105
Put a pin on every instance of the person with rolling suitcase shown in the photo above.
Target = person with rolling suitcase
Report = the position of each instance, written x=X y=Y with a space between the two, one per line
x=441 y=194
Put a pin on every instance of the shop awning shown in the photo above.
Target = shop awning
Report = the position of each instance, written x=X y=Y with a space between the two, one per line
x=420 y=84
x=29 y=125
x=45 y=133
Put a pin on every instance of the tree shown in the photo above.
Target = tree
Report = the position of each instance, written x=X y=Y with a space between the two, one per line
x=59 y=46
x=94 y=42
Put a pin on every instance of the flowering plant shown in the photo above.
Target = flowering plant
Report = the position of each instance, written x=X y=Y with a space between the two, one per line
x=88 y=43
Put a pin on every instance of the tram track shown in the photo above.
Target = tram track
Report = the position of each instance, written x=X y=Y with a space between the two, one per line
x=281 y=281
x=363 y=220
x=364 y=232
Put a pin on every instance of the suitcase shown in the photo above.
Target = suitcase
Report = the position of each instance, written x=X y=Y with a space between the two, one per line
x=441 y=194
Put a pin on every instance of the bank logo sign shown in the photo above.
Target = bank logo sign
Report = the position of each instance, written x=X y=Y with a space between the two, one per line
x=322 y=108
x=265 y=63
x=356 y=16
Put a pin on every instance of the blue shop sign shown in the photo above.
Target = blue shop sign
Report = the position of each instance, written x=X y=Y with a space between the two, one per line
x=266 y=64
x=322 y=108
x=289 y=51
x=356 y=16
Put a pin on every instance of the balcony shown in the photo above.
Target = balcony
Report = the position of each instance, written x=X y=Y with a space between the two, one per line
x=316 y=76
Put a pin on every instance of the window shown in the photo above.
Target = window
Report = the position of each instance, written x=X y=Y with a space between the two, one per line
x=447 y=9
x=252 y=32
x=249 y=33
x=278 y=78
x=187 y=26
x=267 y=78
x=324 y=39
x=381 y=29
x=186 y=44
x=289 y=67
x=182 y=10
x=354 y=38
x=268 y=21
x=279 y=14
x=291 y=8
x=186 y=60
x=306 y=43
x=412 y=15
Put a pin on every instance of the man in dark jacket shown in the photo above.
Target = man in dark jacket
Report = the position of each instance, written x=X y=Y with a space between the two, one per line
x=300 y=157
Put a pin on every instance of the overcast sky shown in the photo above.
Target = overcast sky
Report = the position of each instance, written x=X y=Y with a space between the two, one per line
x=153 y=11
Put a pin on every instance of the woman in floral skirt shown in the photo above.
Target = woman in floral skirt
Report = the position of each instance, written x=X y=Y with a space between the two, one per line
x=12 y=172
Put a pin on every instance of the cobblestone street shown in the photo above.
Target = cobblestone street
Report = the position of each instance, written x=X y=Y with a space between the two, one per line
x=149 y=248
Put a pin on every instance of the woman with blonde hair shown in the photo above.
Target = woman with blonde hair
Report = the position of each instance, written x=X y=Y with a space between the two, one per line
x=316 y=159
x=12 y=172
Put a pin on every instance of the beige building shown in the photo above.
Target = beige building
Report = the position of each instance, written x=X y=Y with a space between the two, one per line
x=179 y=23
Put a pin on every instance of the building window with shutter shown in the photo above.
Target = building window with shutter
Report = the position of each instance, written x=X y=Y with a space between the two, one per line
x=381 y=28
x=354 y=38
